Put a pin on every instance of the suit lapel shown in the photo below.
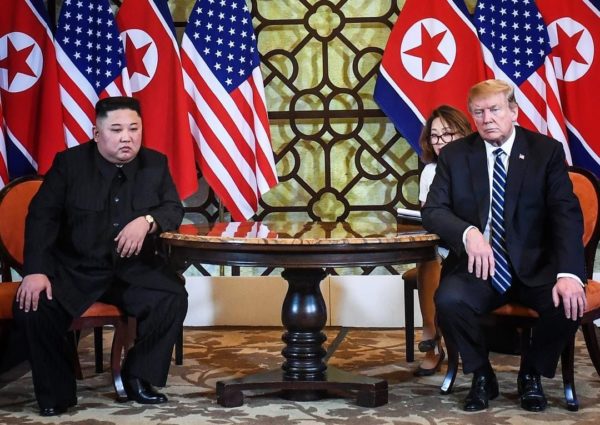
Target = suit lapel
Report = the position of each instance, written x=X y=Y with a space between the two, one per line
x=516 y=173
x=480 y=179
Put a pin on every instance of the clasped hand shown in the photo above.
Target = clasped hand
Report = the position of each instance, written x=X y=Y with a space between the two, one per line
x=131 y=238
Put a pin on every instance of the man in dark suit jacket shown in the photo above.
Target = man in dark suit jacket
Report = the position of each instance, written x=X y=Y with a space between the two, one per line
x=91 y=234
x=542 y=242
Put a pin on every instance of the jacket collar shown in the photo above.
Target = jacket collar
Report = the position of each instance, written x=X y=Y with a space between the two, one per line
x=516 y=172
x=109 y=170
x=477 y=161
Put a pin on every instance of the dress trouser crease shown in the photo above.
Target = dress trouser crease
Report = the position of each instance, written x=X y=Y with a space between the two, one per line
x=159 y=315
x=462 y=299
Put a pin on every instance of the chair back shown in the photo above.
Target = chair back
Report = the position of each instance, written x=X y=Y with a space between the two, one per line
x=587 y=190
x=14 y=204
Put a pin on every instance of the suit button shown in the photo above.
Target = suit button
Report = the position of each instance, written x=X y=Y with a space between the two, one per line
x=116 y=199
x=115 y=224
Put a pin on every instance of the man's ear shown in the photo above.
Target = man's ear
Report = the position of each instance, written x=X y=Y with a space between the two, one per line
x=515 y=113
x=95 y=133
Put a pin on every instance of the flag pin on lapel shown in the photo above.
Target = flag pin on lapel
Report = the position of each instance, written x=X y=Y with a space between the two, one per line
x=521 y=156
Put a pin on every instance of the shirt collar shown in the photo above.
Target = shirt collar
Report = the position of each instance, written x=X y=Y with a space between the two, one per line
x=506 y=146
x=109 y=170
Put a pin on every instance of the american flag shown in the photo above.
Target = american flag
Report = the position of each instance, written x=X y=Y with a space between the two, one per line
x=515 y=48
x=244 y=229
x=228 y=115
x=91 y=63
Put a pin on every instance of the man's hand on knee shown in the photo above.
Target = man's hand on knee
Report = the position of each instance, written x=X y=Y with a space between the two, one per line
x=481 y=256
x=28 y=294
x=572 y=295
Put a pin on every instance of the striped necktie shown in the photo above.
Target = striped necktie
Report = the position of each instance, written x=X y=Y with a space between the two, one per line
x=502 y=278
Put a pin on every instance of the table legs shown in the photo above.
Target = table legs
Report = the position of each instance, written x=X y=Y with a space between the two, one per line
x=304 y=375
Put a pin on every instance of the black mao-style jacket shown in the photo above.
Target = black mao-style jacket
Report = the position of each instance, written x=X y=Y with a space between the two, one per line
x=70 y=230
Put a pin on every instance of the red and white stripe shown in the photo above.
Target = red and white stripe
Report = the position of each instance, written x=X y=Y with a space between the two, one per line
x=244 y=229
x=231 y=131
x=79 y=98
x=539 y=101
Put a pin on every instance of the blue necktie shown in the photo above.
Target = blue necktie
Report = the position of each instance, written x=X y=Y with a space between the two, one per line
x=502 y=278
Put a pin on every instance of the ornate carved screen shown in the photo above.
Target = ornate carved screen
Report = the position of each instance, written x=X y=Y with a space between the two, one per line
x=337 y=156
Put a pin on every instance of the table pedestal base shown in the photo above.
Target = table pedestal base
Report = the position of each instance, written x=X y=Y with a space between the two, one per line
x=304 y=375
x=369 y=392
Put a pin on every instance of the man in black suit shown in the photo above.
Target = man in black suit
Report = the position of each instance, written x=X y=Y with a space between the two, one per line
x=91 y=234
x=530 y=252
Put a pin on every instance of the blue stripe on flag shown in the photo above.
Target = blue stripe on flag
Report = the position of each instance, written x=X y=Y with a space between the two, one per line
x=18 y=165
x=163 y=8
x=41 y=10
x=581 y=157
x=398 y=112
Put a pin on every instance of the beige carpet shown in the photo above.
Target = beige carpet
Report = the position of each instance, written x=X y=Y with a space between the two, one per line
x=217 y=354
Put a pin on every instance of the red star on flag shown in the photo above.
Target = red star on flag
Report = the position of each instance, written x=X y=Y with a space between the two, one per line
x=568 y=48
x=428 y=51
x=138 y=57
x=16 y=61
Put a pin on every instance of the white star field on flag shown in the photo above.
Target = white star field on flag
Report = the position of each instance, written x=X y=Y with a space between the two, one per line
x=89 y=36
x=222 y=32
x=518 y=40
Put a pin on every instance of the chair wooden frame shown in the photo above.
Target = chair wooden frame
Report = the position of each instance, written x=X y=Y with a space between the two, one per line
x=96 y=316
x=524 y=318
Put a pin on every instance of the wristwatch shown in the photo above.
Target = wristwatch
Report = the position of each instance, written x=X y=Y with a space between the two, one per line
x=149 y=219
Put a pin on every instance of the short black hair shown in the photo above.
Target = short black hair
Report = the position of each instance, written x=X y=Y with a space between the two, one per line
x=108 y=104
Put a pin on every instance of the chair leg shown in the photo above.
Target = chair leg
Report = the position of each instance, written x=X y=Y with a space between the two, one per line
x=98 y=348
x=121 y=341
x=452 y=370
x=409 y=322
x=591 y=342
x=567 y=360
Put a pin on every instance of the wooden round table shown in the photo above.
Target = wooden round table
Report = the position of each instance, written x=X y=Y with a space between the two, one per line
x=304 y=250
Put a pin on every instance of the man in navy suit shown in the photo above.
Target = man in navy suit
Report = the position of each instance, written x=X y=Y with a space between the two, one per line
x=541 y=257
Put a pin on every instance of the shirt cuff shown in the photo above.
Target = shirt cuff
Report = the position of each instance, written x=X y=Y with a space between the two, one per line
x=572 y=276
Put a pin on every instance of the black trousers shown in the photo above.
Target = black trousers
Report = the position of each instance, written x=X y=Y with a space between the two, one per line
x=462 y=299
x=159 y=317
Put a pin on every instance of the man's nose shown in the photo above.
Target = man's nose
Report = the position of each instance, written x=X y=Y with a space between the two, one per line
x=487 y=115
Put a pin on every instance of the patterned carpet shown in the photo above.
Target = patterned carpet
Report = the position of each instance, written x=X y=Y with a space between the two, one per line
x=217 y=354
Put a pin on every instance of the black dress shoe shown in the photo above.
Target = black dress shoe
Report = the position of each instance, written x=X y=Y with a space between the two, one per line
x=531 y=392
x=52 y=411
x=142 y=392
x=484 y=387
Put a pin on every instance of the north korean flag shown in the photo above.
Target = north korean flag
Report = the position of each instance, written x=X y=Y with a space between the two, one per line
x=156 y=80
x=29 y=88
x=575 y=40
x=3 y=169
x=432 y=57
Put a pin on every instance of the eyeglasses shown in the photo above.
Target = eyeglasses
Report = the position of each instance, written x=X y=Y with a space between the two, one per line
x=438 y=139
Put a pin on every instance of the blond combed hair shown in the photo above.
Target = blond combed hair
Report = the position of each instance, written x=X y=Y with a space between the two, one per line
x=491 y=87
